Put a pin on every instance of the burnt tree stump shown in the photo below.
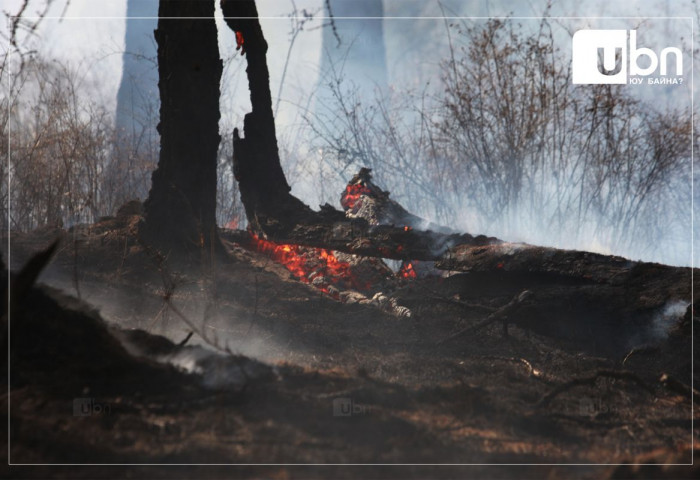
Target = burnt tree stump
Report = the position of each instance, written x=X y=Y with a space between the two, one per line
x=279 y=216
x=181 y=206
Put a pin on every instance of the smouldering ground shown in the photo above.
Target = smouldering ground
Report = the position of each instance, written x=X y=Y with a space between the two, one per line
x=485 y=397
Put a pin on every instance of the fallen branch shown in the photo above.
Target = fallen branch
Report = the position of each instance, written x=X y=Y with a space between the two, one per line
x=186 y=339
x=533 y=372
x=282 y=218
x=499 y=314
x=469 y=305
x=640 y=350
x=590 y=381
x=585 y=267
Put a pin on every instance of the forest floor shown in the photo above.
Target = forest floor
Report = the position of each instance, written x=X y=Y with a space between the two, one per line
x=319 y=381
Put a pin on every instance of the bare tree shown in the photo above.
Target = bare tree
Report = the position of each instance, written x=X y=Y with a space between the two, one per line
x=60 y=141
x=180 y=211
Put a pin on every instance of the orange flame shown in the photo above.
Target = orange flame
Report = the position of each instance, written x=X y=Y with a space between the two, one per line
x=407 y=270
x=352 y=195
x=309 y=263
x=239 y=42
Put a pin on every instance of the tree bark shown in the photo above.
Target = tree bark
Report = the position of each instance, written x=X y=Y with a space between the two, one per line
x=271 y=210
x=263 y=186
x=181 y=206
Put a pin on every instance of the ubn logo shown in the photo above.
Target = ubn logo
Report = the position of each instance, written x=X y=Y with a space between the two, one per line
x=345 y=407
x=85 y=407
x=601 y=57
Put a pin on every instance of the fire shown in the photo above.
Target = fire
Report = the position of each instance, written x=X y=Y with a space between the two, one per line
x=316 y=266
x=240 y=42
x=352 y=195
x=407 y=271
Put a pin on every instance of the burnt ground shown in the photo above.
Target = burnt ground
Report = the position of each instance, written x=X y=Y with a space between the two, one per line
x=575 y=378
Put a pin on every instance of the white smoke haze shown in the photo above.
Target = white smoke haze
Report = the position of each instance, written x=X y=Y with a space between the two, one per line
x=409 y=156
x=625 y=190
x=336 y=117
x=217 y=371
x=221 y=328
x=662 y=322
x=670 y=315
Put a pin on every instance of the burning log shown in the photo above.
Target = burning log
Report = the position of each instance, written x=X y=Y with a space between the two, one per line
x=348 y=278
x=278 y=216
x=322 y=268
x=358 y=237
x=580 y=266
x=373 y=225
x=363 y=199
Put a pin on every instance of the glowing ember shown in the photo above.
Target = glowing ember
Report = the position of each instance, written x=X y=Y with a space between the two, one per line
x=239 y=42
x=407 y=271
x=352 y=195
x=316 y=266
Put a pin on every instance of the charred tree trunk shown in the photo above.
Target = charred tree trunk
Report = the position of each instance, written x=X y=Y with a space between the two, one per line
x=270 y=208
x=181 y=206
x=263 y=186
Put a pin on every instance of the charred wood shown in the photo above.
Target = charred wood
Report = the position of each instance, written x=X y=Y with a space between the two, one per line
x=362 y=198
x=181 y=206
x=283 y=218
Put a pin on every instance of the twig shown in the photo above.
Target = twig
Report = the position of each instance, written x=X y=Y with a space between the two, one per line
x=532 y=371
x=169 y=284
x=590 y=380
x=189 y=323
x=155 y=319
x=641 y=349
x=497 y=315
x=679 y=387
x=332 y=22
x=186 y=339
x=461 y=303
x=464 y=304
x=255 y=309
x=124 y=255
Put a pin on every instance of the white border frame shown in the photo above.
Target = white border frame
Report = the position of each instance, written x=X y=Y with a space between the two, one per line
x=692 y=250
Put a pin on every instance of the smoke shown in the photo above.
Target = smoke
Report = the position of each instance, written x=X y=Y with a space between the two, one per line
x=223 y=330
x=217 y=371
x=661 y=324
x=500 y=143
x=669 y=316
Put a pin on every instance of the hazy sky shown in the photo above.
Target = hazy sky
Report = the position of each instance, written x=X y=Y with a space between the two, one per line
x=91 y=34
